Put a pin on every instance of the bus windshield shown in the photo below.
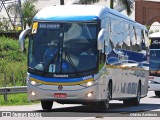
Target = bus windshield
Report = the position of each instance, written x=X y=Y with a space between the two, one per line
x=63 y=47
x=154 y=65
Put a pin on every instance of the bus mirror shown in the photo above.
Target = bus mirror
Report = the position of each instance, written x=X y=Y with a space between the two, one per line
x=22 y=38
x=101 y=39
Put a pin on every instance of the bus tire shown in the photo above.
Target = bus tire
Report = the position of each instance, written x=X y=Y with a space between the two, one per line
x=136 y=101
x=157 y=93
x=126 y=102
x=104 y=105
x=46 y=105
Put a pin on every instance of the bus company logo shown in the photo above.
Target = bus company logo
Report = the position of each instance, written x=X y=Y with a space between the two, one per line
x=60 y=87
x=62 y=76
x=87 y=77
x=155 y=42
x=6 y=114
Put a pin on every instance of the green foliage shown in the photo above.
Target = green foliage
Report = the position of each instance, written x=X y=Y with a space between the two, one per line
x=4 y=24
x=15 y=99
x=148 y=27
x=28 y=12
x=128 y=5
x=13 y=63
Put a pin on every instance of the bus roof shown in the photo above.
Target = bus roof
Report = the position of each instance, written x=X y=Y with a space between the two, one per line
x=141 y=26
x=76 y=13
x=155 y=35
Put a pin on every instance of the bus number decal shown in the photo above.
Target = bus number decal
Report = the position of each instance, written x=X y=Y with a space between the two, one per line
x=87 y=77
x=34 y=28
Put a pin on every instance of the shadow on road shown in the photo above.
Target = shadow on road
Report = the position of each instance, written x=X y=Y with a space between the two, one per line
x=114 y=108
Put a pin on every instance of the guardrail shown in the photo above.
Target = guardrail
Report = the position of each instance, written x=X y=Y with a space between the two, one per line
x=11 y=90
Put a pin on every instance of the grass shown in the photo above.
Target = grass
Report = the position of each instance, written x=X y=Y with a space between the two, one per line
x=13 y=65
x=15 y=99
x=12 y=62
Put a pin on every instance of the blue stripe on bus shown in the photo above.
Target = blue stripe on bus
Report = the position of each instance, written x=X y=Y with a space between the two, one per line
x=65 y=80
x=68 y=18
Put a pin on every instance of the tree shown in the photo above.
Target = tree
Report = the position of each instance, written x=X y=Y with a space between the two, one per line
x=128 y=4
x=28 y=12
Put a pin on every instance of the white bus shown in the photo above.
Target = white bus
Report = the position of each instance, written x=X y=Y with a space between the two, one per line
x=86 y=54
x=154 y=66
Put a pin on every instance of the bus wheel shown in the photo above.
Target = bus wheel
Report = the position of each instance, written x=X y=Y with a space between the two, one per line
x=104 y=105
x=47 y=105
x=157 y=93
x=127 y=102
x=136 y=101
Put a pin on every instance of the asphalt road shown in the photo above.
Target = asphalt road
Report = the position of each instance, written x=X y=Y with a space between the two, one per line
x=149 y=107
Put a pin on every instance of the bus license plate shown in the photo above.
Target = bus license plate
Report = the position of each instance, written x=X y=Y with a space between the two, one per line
x=60 y=95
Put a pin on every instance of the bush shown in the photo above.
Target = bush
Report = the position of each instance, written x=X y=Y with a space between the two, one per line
x=12 y=62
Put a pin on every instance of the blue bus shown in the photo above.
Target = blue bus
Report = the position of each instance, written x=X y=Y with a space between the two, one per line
x=154 y=66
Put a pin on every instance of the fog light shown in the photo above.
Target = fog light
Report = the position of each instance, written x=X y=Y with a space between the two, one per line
x=89 y=94
x=33 y=93
x=89 y=83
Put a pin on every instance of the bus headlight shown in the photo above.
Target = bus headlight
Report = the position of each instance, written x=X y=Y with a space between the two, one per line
x=90 y=94
x=90 y=83
x=33 y=82
x=33 y=93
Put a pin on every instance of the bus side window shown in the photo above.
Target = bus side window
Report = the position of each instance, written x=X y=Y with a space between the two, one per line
x=136 y=43
x=103 y=54
x=143 y=40
x=126 y=45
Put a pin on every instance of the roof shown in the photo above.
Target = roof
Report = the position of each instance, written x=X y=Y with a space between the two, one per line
x=141 y=26
x=76 y=13
x=79 y=13
x=71 y=12
x=155 y=35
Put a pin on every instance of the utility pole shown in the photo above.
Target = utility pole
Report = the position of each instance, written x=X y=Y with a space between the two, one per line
x=21 y=15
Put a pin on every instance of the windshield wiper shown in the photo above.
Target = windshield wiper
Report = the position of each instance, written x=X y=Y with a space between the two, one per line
x=72 y=64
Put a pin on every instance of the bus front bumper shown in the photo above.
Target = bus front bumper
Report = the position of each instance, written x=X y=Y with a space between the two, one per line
x=88 y=94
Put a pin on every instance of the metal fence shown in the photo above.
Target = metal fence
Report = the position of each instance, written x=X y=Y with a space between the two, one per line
x=12 y=90
x=7 y=80
x=6 y=25
x=10 y=79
